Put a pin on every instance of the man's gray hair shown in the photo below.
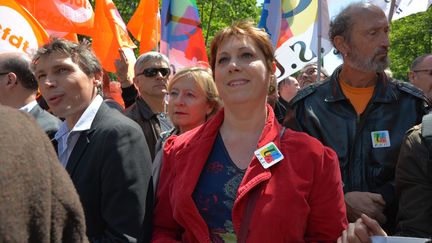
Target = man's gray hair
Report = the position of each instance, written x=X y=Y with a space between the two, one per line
x=150 y=56
x=342 y=24
x=418 y=60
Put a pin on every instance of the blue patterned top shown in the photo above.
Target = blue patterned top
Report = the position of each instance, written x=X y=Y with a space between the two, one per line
x=216 y=191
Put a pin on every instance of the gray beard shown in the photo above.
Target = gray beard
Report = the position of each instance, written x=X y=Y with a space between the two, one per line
x=369 y=65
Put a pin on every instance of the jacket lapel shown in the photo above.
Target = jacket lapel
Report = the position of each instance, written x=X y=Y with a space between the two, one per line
x=77 y=153
x=84 y=140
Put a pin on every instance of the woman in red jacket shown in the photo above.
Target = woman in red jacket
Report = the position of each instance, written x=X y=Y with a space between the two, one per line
x=240 y=177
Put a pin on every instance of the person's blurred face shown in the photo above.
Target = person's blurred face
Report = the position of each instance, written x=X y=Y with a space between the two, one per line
x=368 y=48
x=308 y=76
x=151 y=79
x=421 y=76
x=188 y=106
x=66 y=88
x=289 y=88
x=241 y=74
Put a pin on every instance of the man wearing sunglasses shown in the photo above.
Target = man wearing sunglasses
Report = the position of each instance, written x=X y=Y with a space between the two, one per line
x=152 y=70
x=420 y=74
x=18 y=89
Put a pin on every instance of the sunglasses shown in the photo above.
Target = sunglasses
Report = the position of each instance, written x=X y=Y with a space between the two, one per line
x=152 y=72
x=424 y=70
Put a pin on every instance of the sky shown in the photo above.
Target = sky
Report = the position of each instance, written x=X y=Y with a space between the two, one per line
x=259 y=2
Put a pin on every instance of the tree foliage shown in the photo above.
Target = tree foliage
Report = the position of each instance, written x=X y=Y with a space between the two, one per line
x=217 y=14
x=214 y=14
x=410 y=37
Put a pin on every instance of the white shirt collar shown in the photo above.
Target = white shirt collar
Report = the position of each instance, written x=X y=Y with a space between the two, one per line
x=85 y=121
x=27 y=108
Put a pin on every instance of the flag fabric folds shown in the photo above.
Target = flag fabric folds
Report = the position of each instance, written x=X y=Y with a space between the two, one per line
x=293 y=29
x=19 y=30
x=181 y=35
x=109 y=34
x=144 y=25
x=62 y=18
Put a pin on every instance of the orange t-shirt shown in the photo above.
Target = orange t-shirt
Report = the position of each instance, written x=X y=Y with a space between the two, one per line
x=359 y=97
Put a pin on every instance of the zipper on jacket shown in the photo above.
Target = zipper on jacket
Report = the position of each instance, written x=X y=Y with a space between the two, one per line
x=360 y=122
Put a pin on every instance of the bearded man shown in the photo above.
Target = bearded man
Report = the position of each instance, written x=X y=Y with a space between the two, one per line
x=361 y=113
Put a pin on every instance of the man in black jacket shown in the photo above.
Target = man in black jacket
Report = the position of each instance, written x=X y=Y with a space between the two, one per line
x=152 y=70
x=361 y=113
x=104 y=152
x=18 y=89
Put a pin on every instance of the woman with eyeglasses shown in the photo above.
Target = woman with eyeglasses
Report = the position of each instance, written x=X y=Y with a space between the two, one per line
x=151 y=76
x=241 y=177
x=193 y=99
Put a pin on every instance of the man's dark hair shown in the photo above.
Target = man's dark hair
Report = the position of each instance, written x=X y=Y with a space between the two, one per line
x=21 y=67
x=80 y=53
x=342 y=23
x=418 y=60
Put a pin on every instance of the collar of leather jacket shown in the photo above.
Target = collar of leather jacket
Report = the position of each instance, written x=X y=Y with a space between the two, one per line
x=382 y=93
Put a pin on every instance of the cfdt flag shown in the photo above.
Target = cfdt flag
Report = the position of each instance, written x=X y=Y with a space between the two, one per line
x=295 y=27
x=181 y=37
x=19 y=31
x=144 y=25
x=110 y=35
x=62 y=18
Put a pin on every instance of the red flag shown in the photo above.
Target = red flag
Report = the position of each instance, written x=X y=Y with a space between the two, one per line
x=109 y=34
x=145 y=25
x=64 y=18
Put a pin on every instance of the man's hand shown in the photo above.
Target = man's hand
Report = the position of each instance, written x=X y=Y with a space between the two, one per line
x=371 y=204
x=122 y=68
x=361 y=230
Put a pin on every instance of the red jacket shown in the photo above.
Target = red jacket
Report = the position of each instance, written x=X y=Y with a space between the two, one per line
x=301 y=198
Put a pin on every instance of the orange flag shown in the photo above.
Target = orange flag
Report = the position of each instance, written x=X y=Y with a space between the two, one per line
x=62 y=18
x=19 y=30
x=144 y=25
x=109 y=34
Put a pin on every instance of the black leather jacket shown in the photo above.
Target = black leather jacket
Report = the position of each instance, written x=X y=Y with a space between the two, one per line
x=323 y=111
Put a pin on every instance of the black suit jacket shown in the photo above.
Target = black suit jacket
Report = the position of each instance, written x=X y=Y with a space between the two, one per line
x=49 y=123
x=110 y=166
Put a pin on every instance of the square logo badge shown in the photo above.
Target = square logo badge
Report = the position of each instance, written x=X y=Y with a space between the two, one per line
x=380 y=139
x=268 y=155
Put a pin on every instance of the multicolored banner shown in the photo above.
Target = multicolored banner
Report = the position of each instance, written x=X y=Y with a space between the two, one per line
x=294 y=27
x=144 y=25
x=19 y=30
x=181 y=37
x=294 y=30
x=62 y=18
x=110 y=34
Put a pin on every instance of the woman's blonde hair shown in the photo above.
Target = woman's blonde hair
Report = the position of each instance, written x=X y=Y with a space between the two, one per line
x=204 y=79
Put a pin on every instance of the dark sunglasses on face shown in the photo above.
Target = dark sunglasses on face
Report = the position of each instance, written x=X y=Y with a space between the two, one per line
x=152 y=72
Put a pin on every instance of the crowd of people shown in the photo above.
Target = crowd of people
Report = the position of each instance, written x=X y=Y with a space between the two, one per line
x=225 y=153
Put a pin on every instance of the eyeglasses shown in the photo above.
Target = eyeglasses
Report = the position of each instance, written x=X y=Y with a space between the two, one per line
x=152 y=72
x=311 y=71
x=424 y=70
x=4 y=73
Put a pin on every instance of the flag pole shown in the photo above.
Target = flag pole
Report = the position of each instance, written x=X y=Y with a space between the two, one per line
x=392 y=8
x=157 y=29
x=319 y=42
